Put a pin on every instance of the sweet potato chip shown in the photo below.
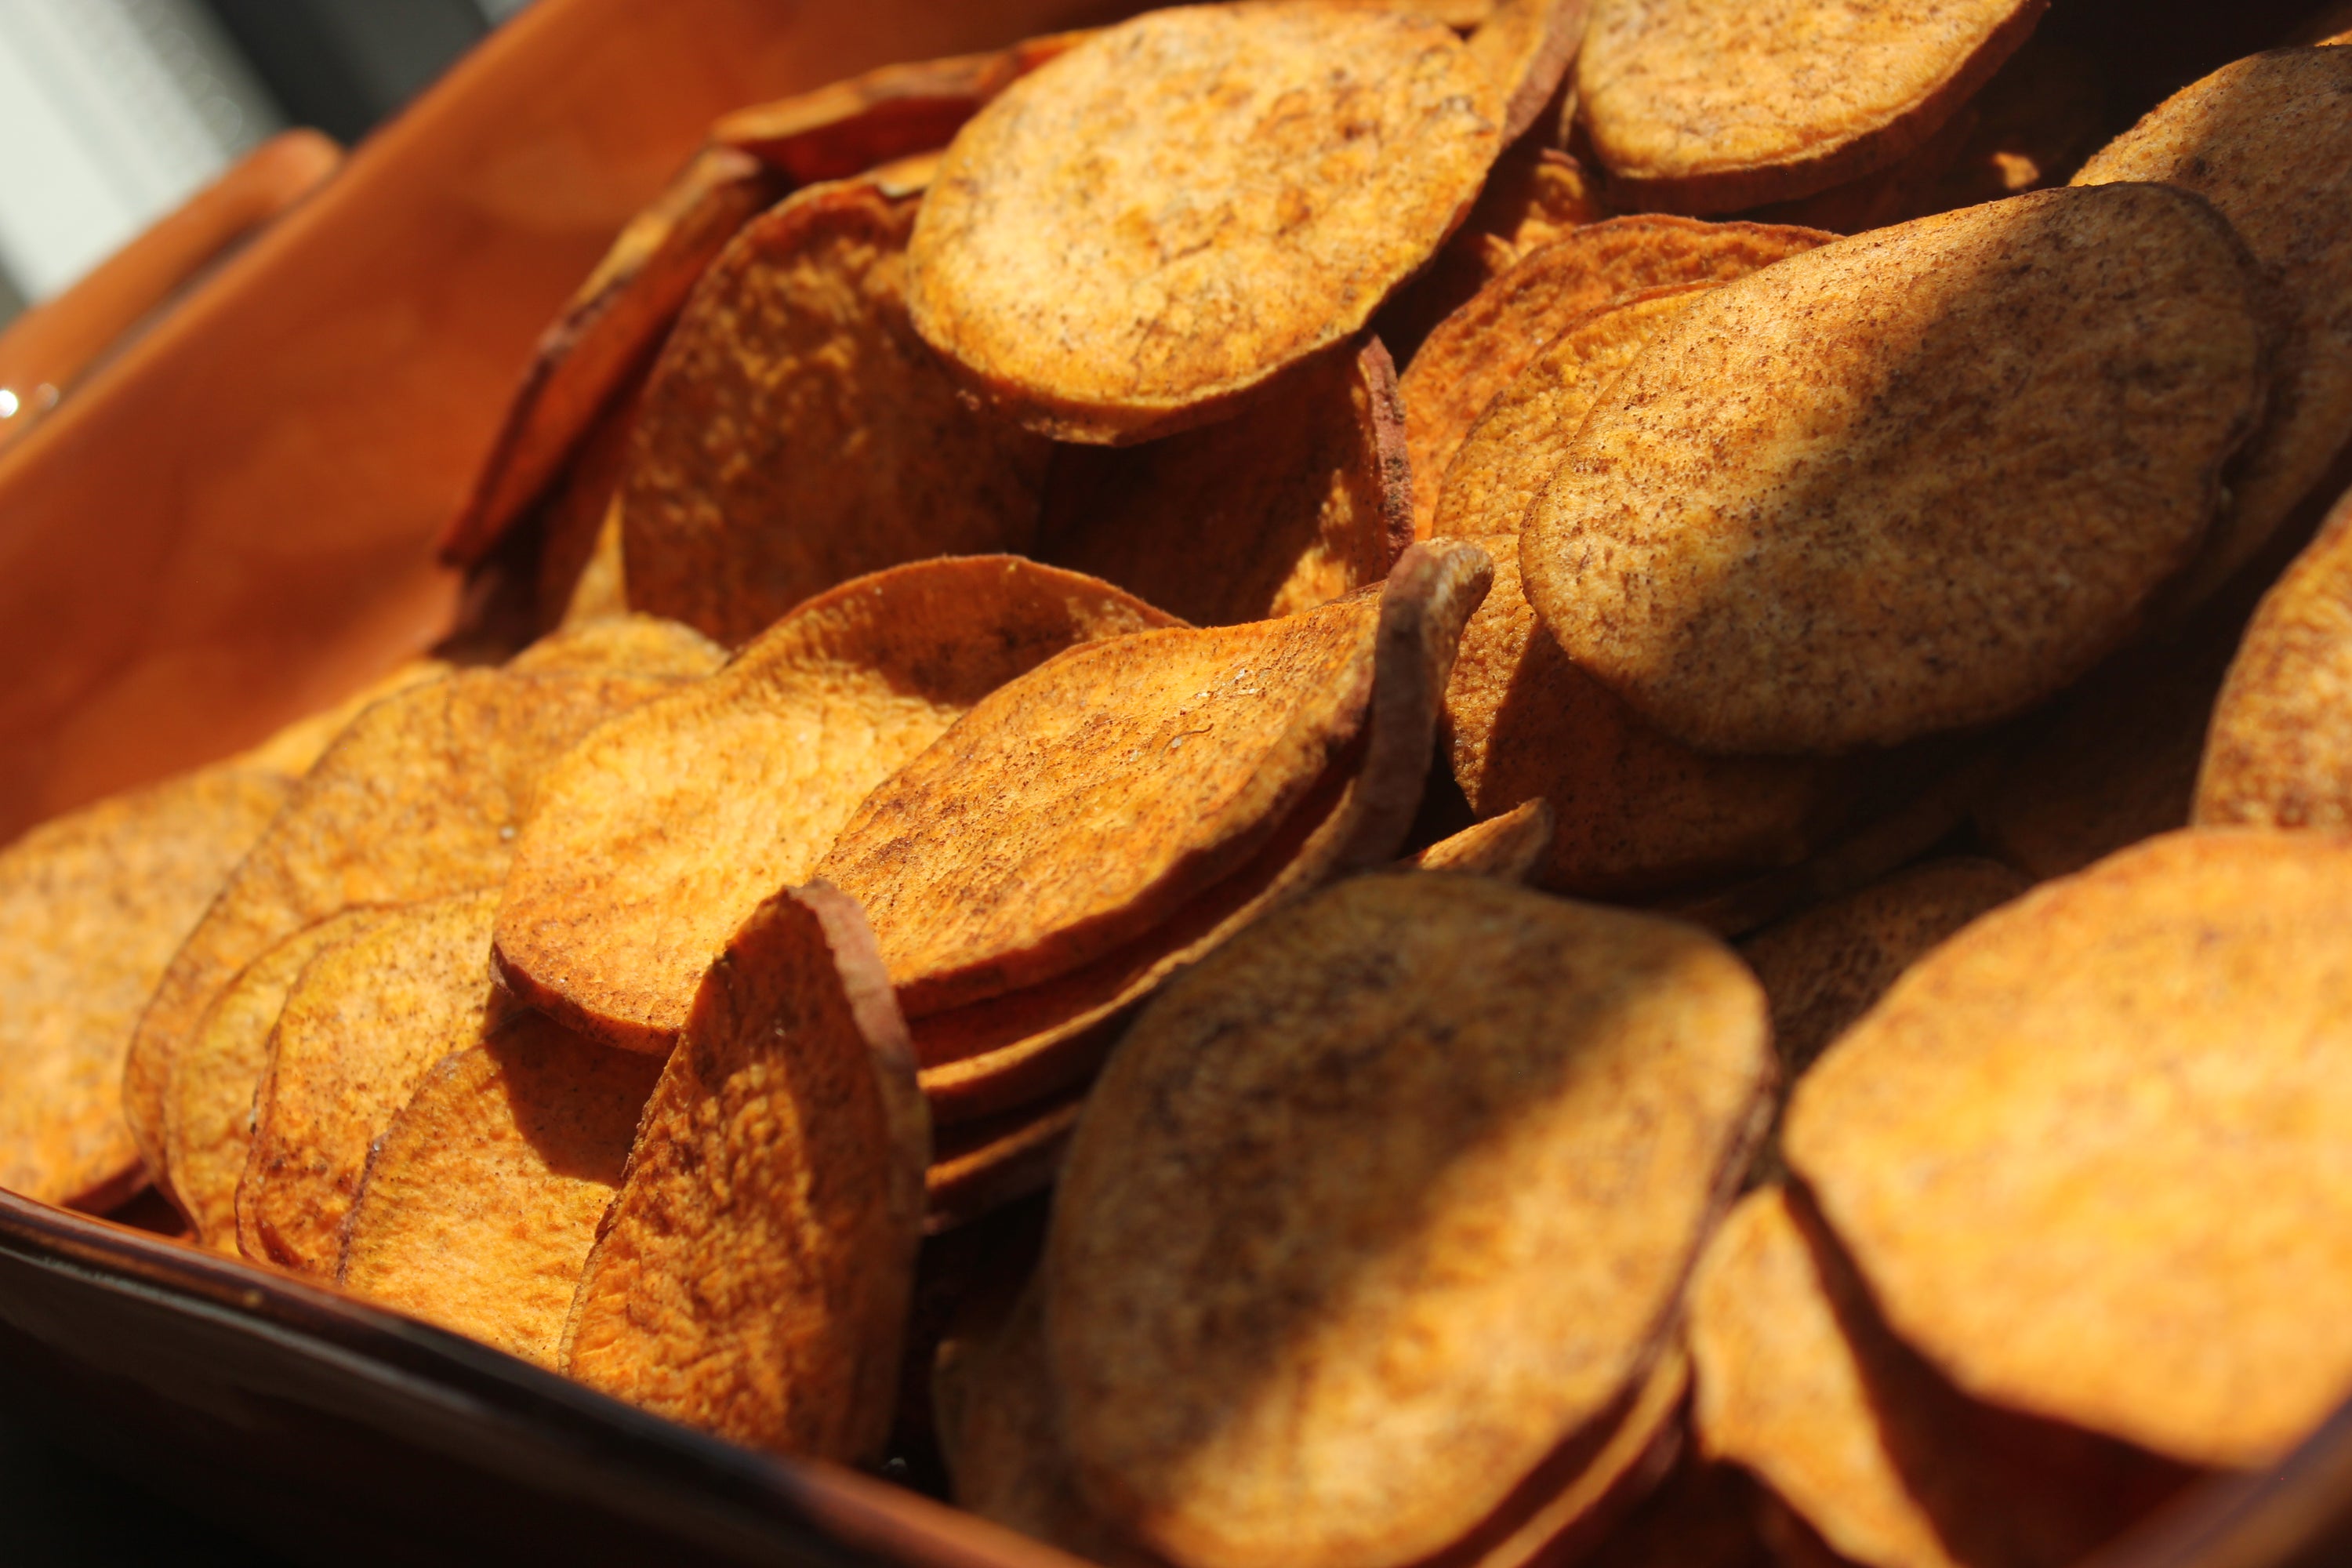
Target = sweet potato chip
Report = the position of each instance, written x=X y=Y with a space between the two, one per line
x=796 y=434
x=1441 y=1265
x=604 y=334
x=420 y=797
x=482 y=1197
x=1477 y=350
x=208 y=1112
x=1636 y=1456
x=2087 y=1154
x=1305 y=502
x=980 y=1166
x=92 y=905
x=1714 y=105
x=621 y=645
x=1904 y=483
x=2268 y=141
x=1525 y=48
x=292 y=749
x=361 y=1024
x=654 y=839
x=579 y=531
x=752 y=1276
x=1513 y=846
x=1185 y=206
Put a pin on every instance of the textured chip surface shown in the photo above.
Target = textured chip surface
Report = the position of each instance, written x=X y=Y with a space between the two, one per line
x=1513 y=846
x=621 y=645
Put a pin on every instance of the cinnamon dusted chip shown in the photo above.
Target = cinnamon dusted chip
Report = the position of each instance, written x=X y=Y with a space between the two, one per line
x=2087 y=1154
x=1988 y=468
x=92 y=905
x=1168 y=216
x=292 y=749
x=1477 y=351
x=208 y=1114
x=2268 y=141
x=796 y=434
x=657 y=836
x=1513 y=846
x=752 y=1276
x=482 y=1196
x=580 y=550
x=1303 y=502
x=1715 y=105
x=364 y=1022
x=980 y=1166
x=621 y=645
x=1446 y=1264
x=420 y=797
x=603 y=336
x=1525 y=48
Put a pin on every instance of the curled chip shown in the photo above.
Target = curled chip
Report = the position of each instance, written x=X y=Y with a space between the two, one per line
x=292 y=749
x=360 y=1025
x=2088 y=1153
x=1525 y=48
x=603 y=336
x=796 y=434
x=1169 y=215
x=1912 y=481
x=1799 y=1383
x=1297 y=1255
x=1475 y=352
x=2276 y=755
x=420 y=797
x=1305 y=500
x=1513 y=846
x=752 y=1276
x=93 y=906
x=621 y=645
x=482 y=1197
x=2268 y=141
x=657 y=838
x=208 y=1112
x=1715 y=105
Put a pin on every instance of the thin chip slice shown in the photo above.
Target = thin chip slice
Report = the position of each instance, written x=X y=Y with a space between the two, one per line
x=577 y=516
x=1525 y=48
x=361 y=1024
x=752 y=1276
x=92 y=905
x=979 y=1167
x=623 y=645
x=1477 y=350
x=654 y=839
x=1301 y=503
x=1701 y=1516
x=1446 y=1264
x=2268 y=141
x=2088 y=1154
x=1513 y=846
x=1169 y=216
x=604 y=336
x=1715 y=105
x=602 y=587
x=1799 y=1383
x=796 y=434
x=293 y=749
x=1967 y=499
x=483 y=1195
x=208 y=1116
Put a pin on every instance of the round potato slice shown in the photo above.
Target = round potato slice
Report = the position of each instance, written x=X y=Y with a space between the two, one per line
x=1161 y=221
x=1715 y=105
x=2090 y=1154
x=1909 y=482
x=1322 y=1290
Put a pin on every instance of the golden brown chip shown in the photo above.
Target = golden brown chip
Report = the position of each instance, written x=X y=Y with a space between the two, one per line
x=1303 y=502
x=293 y=749
x=577 y=580
x=2087 y=1154
x=1181 y=208
x=208 y=1111
x=601 y=588
x=2268 y=141
x=1904 y=483
x=796 y=434
x=1714 y=105
x=752 y=1276
x=361 y=1024
x=654 y=839
x=1525 y=48
x=92 y=905
x=1477 y=351
x=482 y=1197
x=1437 y=1263
x=604 y=336
x=980 y=1166
x=1513 y=846
x=621 y=645
x=420 y=797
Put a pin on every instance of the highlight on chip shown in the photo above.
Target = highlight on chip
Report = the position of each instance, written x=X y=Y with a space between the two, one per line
x=482 y=1196
x=1085 y=264
x=1513 y=846
x=1442 y=1265
x=621 y=645
x=795 y=432
x=657 y=836
x=751 y=1279
x=579 y=551
x=1842 y=568
x=1707 y=106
